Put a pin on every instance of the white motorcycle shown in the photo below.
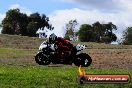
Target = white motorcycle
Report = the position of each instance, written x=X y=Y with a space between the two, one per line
x=47 y=54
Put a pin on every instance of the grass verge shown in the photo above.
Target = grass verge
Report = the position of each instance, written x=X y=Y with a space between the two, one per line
x=13 y=76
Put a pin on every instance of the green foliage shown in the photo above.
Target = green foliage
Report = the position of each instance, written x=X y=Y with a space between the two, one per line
x=32 y=28
x=0 y=25
x=70 y=29
x=19 y=23
x=127 y=36
x=97 y=32
x=85 y=33
x=67 y=37
x=11 y=21
x=68 y=34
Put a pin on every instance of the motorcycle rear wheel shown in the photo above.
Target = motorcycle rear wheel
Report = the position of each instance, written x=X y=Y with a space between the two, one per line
x=42 y=59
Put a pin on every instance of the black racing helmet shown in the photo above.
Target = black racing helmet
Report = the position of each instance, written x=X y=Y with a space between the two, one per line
x=52 y=38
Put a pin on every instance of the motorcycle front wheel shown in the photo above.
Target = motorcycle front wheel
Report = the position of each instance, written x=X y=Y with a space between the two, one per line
x=42 y=59
x=83 y=59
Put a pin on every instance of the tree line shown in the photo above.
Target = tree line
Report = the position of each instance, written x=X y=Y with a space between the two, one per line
x=17 y=23
x=127 y=36
x=96 y=32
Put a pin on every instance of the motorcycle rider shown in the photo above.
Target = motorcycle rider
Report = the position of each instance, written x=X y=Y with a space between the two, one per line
x=62 y=45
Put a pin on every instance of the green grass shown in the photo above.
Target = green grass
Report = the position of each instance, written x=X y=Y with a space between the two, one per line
x=17 y=56
x=16 y=53
x=52 y=77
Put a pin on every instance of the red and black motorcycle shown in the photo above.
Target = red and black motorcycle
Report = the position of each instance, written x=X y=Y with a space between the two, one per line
x=47 y=54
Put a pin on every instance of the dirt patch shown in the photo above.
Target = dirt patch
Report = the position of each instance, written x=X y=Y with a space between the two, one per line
x=1 y=43
x=102 y=58
x=111 y=58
